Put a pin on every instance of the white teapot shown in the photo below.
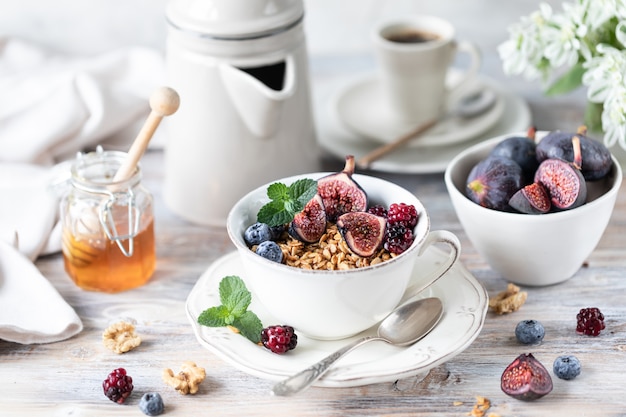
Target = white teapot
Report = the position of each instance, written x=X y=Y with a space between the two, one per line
x=240 y=68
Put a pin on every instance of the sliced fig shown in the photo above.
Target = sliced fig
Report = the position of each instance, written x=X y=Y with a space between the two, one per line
x=363 y=232
x=532 y=199
x=596 y=156
x=521 y=149
x=493 y=181
x=526 y=379
x=340 y=193
x=310 y=224
x=563 y=180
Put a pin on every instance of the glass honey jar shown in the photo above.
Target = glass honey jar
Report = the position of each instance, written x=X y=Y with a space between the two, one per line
x=107 y=226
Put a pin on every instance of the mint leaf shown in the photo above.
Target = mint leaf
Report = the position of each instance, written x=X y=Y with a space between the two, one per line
x=278 y=191
x=286 y=201
x=303 y=190
x=233 y=311
x=250 y=326
x=215 y=317
x=234 y=295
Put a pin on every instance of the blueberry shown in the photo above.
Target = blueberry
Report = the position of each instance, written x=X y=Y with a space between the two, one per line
x=529 y=332
x=270 y=250
x=257 y=233
x=151 y=404
x=566 y=367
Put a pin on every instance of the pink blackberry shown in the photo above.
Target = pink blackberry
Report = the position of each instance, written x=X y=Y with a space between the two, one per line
x=402 y=213
x=118 y=386
x=279 y=339
x=589 y=321
x=398 y=238
x=378 y=210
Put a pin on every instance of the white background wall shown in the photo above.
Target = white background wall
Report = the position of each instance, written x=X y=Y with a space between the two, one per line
x=332 y=26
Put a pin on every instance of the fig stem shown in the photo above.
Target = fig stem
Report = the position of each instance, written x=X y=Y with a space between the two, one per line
x=578 y=155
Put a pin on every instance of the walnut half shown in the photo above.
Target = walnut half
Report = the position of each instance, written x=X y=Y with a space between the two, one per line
x=120 y=337
x=188 y=380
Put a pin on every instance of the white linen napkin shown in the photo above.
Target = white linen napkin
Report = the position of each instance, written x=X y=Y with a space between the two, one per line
x=31 y=309
x=52 y=106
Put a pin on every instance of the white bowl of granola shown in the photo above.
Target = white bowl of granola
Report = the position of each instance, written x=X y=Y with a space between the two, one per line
x=336 y=303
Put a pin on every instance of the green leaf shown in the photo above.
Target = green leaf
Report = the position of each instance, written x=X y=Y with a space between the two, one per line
x=286 y=201
x=569 y=81
x=214 y=317
x=250 y=326
x=303 y=190
x=278 y=191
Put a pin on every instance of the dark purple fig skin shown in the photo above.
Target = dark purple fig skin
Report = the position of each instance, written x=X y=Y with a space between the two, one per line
x=493 y=181
x=596 y=157
x=532 y=199
x=310 y=224
x=522 y=150
x=340 y=193
x=526 y=379
x=363 y=232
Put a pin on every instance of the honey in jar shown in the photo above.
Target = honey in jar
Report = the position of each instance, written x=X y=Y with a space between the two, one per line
x=108 y=226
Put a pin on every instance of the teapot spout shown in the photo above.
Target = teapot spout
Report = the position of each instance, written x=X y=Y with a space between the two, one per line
x=258 y=94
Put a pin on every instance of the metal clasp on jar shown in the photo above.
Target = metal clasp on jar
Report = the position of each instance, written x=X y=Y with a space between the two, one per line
x=110 y=227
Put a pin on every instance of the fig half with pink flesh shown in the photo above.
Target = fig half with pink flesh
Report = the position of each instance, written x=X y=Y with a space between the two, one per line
x=526 y=379
x=363 y=232
x=532 y=199
x=340 y=193
x=309 y=224
x=563 y=180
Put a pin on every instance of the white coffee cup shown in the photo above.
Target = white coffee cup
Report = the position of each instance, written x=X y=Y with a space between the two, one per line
x=414 y=54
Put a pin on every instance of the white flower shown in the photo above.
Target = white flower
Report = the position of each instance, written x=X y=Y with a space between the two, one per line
x=587 y=32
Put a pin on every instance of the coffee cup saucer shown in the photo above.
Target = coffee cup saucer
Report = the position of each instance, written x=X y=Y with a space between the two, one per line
x=361 y=108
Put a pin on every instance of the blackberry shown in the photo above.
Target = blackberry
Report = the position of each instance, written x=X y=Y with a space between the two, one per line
x=589 y=321
x=270 y=250
x=398 y=238
x=378 y=210
x=566 y=367
x=118 y=386
x=529 y=332
x=402 y=213
x=257 y=233
x=151 y=404
x=279 y=338
x=277 y=231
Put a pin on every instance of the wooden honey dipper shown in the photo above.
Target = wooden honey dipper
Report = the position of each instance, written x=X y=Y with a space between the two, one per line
x=163 y=102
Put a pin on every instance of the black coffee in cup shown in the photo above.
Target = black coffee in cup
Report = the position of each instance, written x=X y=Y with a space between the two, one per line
x=412 y=36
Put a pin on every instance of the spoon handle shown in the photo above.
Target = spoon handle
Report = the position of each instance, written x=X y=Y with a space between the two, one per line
x=305 y=378
x=383 y=150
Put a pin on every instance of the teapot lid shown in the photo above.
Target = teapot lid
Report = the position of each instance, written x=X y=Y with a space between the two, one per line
x=234 y=19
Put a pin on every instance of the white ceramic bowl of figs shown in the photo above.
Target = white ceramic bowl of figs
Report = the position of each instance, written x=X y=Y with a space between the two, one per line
x=532 y=249
x=336 y=304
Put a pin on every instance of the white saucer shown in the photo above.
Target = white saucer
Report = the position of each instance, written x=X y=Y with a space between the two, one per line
x=465 y=306
x=339 y=141
x=362 y=107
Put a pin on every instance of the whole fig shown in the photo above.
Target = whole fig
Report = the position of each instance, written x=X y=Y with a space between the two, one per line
x=309 y=224
x=563 y=180
x=340 y=193
x=526 y=379
x=596 y=156
x=493 y=181
x=521 y=149
x=363 y=232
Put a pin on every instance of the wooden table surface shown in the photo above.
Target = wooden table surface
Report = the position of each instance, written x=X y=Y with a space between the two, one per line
x=64 y=379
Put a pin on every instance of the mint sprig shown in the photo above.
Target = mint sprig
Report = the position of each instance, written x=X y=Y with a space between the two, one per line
x=233 y=311
x=286 y=201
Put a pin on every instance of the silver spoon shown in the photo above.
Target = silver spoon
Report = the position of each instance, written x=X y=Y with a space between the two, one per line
x=404 y=326
x=472 y=105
